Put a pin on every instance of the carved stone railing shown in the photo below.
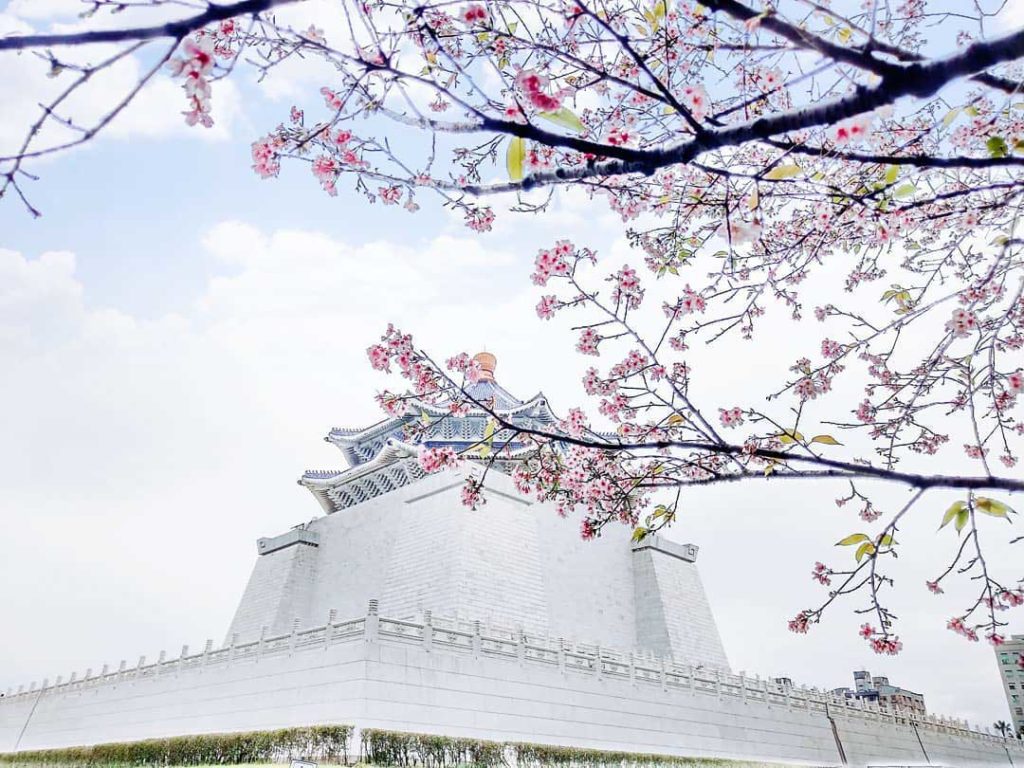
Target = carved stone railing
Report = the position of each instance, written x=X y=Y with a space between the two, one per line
x=478 y=640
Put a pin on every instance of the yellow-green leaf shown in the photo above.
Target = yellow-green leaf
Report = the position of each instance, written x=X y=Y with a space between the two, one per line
x=867 y=548
x=952 y=512
x=891 y=174
x=825 y=440
x=488 y=442
x=961 y=519
x=853 y=538
x=992 y=507
x=565 y=118
x=787 y=438
x=515 y=155
x=905 y=190
x=886 y=541
x=783 y=172
x=640 y=533
x=950 y=117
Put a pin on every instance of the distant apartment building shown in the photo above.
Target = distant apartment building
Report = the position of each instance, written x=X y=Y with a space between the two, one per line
x=888 y=697
x=1011 y=669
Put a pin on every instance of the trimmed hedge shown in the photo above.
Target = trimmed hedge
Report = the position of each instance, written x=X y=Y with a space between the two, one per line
x=327 y=743
x=410 y=750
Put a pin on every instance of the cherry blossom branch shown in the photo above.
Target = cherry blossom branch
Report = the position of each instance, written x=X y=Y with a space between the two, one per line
x=174 y=29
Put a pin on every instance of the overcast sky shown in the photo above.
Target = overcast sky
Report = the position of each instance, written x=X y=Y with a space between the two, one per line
x=176 y=337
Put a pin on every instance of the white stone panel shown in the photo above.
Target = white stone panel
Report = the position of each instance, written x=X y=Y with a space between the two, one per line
x=400 y=675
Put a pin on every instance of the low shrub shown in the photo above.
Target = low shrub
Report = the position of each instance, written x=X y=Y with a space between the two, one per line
x=420 y=750
x=326 y=743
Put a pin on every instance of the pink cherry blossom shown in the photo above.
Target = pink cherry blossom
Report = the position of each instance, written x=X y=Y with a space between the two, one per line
x=731 y=417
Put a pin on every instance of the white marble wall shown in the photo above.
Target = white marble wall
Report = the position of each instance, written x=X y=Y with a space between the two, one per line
x=511 y=563
x=390 y=674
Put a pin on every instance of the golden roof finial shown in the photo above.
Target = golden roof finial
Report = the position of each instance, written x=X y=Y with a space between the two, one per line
x=487 y=362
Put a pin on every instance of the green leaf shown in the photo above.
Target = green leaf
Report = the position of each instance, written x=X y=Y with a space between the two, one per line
x=639 y=534
x=961 y=519
x=997 y=146
x=565 y=118
x=950 y=117
x=783 y=172
x=853 y=538
x=904 y=190
x=512 y=27
x=825 y=440
x=992 y=507
x=867 y=548
x=886 y=541
x=891 y=174
x=788 y=438
x=952 y=512
x=488 y=442
x=514 y=157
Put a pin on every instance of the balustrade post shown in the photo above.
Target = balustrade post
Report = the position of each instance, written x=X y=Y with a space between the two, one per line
x=478 y=643
x=561 y=655
x=743 y=687
x=599 y=664
x=332 y=616
x=371 y=628
x=160 y=662
x=206 y=653
x=139 y=666
x=262 y=642
x=292 y=638
x=718 y=682
x=632 y=669
x=428 y=631
x=520 y=646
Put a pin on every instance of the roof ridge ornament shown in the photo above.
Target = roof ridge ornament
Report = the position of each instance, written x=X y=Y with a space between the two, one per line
x=487 y=363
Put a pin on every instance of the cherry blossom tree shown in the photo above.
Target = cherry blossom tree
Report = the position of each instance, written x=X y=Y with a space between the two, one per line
x=750 y=147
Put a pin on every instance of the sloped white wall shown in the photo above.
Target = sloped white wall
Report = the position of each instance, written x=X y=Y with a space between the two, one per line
x=402 y=676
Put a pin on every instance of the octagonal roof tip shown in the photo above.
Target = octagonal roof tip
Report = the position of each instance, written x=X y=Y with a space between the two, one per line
x=488 y=363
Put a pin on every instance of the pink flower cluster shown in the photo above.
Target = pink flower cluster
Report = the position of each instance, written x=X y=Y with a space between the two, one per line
x=627 y=288
x=956 y=624
x=695 y=99
x=962 y=323
x=397 y=347
x=831 y=349
x=576 y=423
x=266 y=160
x=731 y=417
x=821 y=574
x=546 y=307
x=800 y=623
x=474 y=14
x=880 y=642
x=479 y=219
x=532 y=85
x=934 y=588
x=472 y=493
x=436 y=459
x=588 y=341
x=467 y=366
x=194 y=64
x=552 y=262
x=854 y=129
